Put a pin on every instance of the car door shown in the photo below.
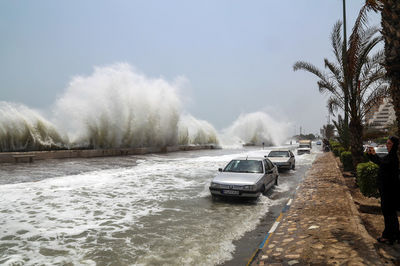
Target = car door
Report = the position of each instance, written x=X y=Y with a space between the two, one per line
x=269 y=172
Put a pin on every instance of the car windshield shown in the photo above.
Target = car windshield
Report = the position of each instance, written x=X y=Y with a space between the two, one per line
x=278 y=154
x=244 y=166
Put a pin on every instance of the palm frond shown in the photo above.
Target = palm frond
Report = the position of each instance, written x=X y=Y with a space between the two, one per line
x=337 y=42
x=374 y=99
x=334 y=104
x=337 y=74
x=373 y=71
x=301 y=65
x=355 y=40
x=375 y=5
x=363 y=59
x=327 y=86
x=361 y=21
x=372 y=63
x=333 y=68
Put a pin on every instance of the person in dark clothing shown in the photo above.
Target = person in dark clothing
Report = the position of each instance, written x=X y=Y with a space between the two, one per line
x=326 y=145
x=389 y=189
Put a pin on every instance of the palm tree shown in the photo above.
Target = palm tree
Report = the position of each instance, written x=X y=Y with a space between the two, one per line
x=329 y=131
x=341 y=129
x=390 y=22
x=361 y=78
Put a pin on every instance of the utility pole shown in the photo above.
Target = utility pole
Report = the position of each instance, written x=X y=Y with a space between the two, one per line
x=345 y=68
x=344 y=24
x=346 y=79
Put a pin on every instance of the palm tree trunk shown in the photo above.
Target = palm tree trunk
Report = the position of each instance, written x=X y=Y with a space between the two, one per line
x=395 y=93
x=390 y=31
x=356 y=144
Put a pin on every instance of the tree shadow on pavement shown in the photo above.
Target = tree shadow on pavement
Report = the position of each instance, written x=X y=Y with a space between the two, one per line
x=370 y=209
x=358 y=244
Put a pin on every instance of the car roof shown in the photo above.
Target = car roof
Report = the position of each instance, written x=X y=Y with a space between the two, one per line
x=281 y=150
x=249 y=158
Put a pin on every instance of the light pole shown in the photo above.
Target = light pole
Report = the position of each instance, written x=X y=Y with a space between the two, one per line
x=346 y=79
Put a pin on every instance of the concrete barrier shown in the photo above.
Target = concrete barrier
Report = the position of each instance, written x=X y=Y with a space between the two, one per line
x=9 y=157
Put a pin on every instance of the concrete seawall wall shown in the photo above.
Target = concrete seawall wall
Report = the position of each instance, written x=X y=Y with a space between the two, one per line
x=12 y=157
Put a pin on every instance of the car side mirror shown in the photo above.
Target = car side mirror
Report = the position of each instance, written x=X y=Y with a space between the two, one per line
x=219 y=169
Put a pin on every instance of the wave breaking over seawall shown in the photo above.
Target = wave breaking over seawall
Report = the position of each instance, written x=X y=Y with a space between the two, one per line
x=119 y=107
x=256 y=128
x=115 y=107
x=23 y=129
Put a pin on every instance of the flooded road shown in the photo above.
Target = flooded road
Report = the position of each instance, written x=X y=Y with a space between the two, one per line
x=133 y=210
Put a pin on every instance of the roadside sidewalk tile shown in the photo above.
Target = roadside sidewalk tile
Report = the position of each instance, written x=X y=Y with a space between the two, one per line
x=319 y=227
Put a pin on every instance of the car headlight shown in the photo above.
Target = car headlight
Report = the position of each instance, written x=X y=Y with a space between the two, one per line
x=214 y=185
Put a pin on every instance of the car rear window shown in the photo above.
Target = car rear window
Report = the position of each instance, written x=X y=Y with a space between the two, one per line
x=244 y=166
x=278 y=154
x=304 y=146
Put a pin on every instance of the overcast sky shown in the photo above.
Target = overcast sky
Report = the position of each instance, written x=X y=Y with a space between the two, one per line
x=237 y=56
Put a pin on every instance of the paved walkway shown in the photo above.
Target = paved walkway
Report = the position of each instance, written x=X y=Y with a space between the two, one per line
x=322 y=225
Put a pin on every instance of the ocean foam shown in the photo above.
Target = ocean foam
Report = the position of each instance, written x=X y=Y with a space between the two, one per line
x=128 y=210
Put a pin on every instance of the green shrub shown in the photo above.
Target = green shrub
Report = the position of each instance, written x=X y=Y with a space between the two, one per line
x=337 y=151
x=366 y=179
x=340 y=151
x=334 y=144
x=347 y=161
x=365 y=157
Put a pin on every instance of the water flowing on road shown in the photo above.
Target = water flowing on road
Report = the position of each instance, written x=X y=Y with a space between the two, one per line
x=133 y=210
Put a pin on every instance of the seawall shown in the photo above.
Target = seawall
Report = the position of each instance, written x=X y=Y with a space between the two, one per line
x=12 y=157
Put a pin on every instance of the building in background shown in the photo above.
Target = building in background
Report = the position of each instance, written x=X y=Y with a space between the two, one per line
x=381 y=116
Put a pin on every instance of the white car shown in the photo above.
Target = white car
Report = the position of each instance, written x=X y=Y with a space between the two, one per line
x=245 y=177
x=381 y=151
x=284 y=159
x=302 y=149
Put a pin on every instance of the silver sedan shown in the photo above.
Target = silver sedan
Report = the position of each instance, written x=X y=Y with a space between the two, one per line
x=245 y=178
x=284 y=159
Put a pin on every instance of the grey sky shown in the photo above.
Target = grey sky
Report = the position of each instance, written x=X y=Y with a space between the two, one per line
x=236 y=55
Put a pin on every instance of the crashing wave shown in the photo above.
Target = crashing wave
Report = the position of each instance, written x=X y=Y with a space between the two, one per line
x=23 y=129
x=194 y=131
x=256 y=128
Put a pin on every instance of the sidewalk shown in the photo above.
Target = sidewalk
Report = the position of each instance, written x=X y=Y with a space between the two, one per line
x=322 y=226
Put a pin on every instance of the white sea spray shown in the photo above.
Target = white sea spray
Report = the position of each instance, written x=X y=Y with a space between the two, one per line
x=255 y=129
x=22 y=128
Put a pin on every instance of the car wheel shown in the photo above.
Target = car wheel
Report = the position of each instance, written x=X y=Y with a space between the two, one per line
x=276 y=180
x=293 y=166
x=262 y=190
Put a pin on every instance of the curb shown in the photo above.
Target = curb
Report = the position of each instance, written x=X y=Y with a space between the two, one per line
x=368 y=250
x=273 y=228
x=356 y=216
